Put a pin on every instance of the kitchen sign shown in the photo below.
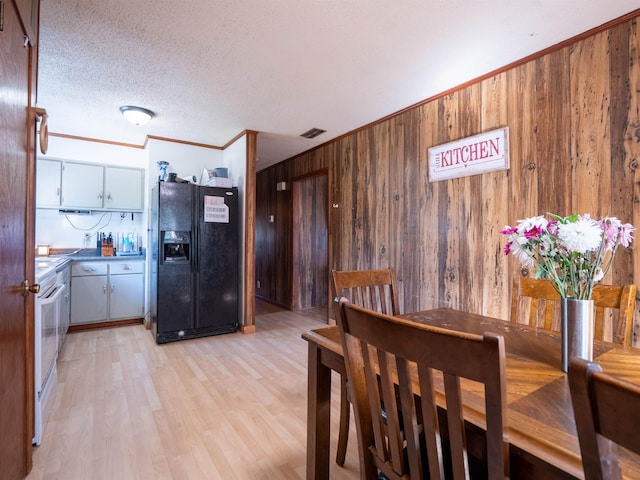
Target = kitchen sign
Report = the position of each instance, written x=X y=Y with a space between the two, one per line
x=485 y=152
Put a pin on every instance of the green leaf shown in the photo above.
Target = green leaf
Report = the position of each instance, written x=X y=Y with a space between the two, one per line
x=557 y=217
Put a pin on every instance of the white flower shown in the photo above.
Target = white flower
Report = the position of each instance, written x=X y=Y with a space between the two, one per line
x=547 y=246
x=598 y=275
x=520 y=252
x=529 y=223
x=583 y=235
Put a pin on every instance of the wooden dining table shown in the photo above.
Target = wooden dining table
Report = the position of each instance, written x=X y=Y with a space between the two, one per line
x=539 y=427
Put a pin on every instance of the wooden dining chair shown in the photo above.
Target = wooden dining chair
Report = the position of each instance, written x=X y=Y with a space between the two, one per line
x=390 y=362
x=606 y=414
x=373 y=289
x=620 y=300
x=537 y=303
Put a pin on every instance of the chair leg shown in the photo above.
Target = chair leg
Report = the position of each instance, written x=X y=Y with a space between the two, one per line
x=345 y=412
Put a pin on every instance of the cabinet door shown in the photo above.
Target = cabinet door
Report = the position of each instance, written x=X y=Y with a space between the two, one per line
x=123 y=188
x=48 y=182
x=82 y=185
x=89 y=299
x=126 y=296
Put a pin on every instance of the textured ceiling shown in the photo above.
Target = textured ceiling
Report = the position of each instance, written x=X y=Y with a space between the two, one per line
x=212 y=69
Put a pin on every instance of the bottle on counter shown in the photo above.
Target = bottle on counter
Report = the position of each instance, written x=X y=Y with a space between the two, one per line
x=133 y=241
x=124 y=244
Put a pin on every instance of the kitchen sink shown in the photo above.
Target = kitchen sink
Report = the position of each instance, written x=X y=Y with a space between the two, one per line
x=85 y=252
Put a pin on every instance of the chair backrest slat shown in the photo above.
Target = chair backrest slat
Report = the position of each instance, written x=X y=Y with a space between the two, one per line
x=403 y=359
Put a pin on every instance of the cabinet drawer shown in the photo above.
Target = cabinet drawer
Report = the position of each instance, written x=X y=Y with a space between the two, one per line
x=84 y=269
x=124 y=267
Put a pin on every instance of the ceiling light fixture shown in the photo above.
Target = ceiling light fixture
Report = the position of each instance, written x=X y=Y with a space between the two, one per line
x=137 y=115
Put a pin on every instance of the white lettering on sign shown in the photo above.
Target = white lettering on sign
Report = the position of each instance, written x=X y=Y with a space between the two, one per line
x=486 y=152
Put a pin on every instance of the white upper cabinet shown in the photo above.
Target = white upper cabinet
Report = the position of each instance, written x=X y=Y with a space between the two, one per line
x=82 y=185
x=48 y=178
x=88 y=186
x=123 y=188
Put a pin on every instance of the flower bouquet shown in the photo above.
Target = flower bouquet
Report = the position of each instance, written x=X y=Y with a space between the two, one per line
x=573 y=252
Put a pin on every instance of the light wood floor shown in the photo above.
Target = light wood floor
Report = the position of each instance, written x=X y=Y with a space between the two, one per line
x=224 y=407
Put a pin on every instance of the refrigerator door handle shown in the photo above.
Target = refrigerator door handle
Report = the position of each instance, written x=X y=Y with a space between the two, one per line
x=194 y=250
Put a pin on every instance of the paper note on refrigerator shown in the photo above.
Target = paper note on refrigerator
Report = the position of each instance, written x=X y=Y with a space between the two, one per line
x=215 y=210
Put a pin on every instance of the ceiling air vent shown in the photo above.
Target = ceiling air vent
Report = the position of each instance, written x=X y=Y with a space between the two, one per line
x=314 y=132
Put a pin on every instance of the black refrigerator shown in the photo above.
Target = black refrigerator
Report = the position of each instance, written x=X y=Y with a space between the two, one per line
x=194 y=280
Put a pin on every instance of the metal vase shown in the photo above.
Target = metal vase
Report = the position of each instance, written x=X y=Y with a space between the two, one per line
x=576 y=330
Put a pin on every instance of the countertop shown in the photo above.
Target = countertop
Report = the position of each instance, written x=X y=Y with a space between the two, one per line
x=60 y=258
x=91 y=254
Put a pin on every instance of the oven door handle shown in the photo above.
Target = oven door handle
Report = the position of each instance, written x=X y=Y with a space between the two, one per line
x=58 y=291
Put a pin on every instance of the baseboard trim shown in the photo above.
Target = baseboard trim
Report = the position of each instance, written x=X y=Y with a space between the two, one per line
x=94 y=326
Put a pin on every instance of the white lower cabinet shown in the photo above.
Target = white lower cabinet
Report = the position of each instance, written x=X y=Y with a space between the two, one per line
x=89 y=297
x=106 y=290
x=126 y=290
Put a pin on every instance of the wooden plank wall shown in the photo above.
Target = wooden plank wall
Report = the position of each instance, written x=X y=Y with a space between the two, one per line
x=574 y=121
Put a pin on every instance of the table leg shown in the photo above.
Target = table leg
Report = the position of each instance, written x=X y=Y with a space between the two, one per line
x=318 y=416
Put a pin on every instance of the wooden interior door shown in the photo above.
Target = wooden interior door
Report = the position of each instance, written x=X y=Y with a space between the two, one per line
x=17 y=218
x=310 y=242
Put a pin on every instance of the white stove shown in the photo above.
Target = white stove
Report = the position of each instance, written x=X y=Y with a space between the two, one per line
x=46 y=318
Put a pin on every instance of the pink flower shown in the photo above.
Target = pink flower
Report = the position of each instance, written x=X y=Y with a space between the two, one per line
x=611 y=228
x=533 y=233
x=625 y=234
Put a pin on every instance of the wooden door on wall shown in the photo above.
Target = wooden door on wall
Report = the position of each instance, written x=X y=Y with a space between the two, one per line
x=18 y=61
x=310 y=242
